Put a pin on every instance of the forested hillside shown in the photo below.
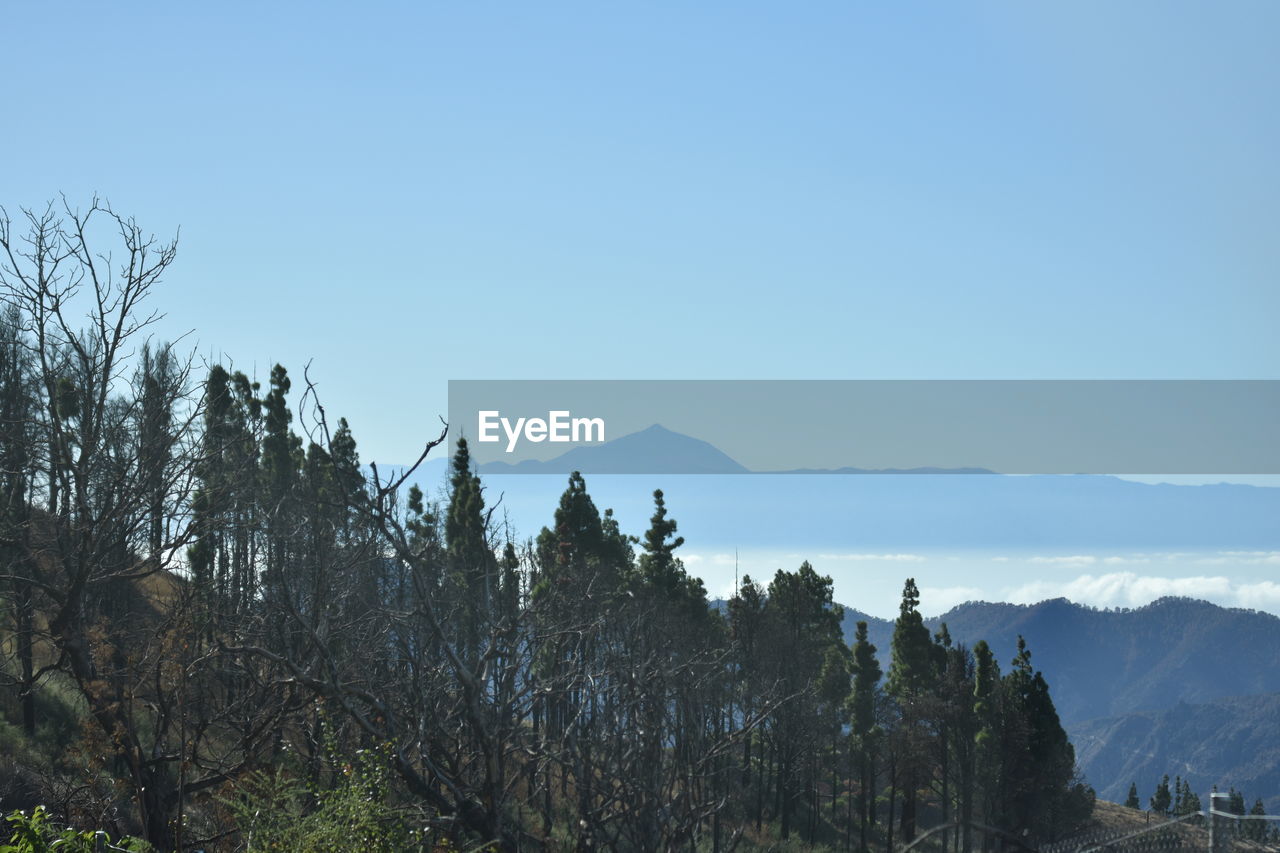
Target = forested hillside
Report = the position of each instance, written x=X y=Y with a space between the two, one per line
x=1104 y=663
x=1178 y=687
x=219 y=631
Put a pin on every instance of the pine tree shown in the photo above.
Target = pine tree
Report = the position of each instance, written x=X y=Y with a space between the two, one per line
x=280 y=447
x=1190 y=800
x=913 y=674
x=1037 y=760
x=913 y=670
x=227 y=505
x=569 y=554
x=160 y=382
x=510 y=593
x=348 y=480
x=472 y=567
x=832 y=690
x=1162 y=799
x=577 y=583
x=1132 y=800
x=863 y=729
x=659 y=569
x=1256 y=830
x=749 y=636
x=957 y=726
x=281 y=463
x=804 y=622
x=988 y=713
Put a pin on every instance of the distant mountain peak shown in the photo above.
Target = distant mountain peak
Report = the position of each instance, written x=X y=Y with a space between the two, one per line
x=652 y=450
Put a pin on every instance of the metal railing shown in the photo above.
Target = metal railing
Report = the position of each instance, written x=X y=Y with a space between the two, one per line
x=1213 y=829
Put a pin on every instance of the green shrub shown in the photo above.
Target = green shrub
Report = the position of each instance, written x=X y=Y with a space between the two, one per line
x=277 y=812
x=34 y=833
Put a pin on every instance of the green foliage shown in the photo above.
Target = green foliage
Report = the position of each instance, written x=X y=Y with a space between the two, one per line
x=1039 y=766
x=279 y=812
x=281 y=449
x=862 y=715
x=36 y=833
x=659 y=580
x=913 y=671
x=472 y=590
x=658 y=566
x=1162 y=799
x=1186 y=801
x=1256 y=830
x=866 y=677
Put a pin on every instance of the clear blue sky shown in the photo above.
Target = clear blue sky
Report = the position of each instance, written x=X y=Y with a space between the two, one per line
x=417 y=192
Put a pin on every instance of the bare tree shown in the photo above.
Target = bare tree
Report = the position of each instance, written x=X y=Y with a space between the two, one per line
x=109 y=452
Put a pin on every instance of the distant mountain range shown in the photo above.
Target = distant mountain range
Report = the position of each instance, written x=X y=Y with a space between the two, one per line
x=1103 y=663
x=659 y=450
x=1179 y=686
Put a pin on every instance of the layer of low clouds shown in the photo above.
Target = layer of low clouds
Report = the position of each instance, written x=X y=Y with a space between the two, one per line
x=940 y=599
x=1263 y=595
x=1252 y=558
x=871 y=581
x=1129 y=589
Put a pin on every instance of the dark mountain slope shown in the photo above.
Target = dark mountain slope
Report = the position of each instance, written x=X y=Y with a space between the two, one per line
x=1107 y=663
x=1180 y=686
x=1232 y=742
x=1103 y=663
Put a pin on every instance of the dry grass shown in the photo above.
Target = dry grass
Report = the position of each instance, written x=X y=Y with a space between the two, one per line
x=1112 y=821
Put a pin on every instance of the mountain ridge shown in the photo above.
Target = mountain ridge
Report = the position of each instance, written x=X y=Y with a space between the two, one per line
x=1212 y=717
x=1178 y=686
x=1145 y=657
x=658 y=450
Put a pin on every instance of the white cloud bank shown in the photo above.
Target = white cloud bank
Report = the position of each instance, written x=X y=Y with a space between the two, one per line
x=1249 y=558
x=871 y=581
x=1074 y=560
x=1129 y=589
x=935 y=600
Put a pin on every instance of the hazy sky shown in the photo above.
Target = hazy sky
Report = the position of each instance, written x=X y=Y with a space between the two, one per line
x=417 y=192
